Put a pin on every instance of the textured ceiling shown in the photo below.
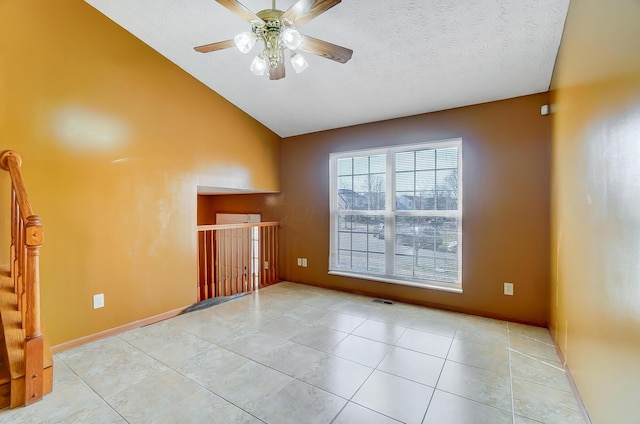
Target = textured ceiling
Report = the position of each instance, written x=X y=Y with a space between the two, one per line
x=410 y=56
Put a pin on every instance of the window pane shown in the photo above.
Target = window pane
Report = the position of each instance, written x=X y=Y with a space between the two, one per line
x=345 y=166
x=404 y=161
x=426 y=159
x=377 y=184
x=405 y=181
x=447 y=158
x=361 y=165
x=363 y=238
x=378 y=164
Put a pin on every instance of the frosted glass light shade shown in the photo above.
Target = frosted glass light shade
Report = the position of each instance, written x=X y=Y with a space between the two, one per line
x=299 y=63
x=291 y=38
x=258 y=65
x=245 y=41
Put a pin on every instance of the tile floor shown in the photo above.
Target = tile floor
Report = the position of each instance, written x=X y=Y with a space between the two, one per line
x=299 y=354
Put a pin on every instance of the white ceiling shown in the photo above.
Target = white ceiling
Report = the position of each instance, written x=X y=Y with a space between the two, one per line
x=410 y=56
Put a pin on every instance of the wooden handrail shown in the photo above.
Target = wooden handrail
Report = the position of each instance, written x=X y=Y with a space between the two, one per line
x=236 y=226
x=26 y=240
x=11 y=161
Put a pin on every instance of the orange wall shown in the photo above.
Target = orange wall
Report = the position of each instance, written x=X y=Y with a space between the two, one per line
x=114 y=140
x=595 y=293
x=506 y=168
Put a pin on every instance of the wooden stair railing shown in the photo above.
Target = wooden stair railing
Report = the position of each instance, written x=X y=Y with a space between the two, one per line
x=26 y=354
x=236 y=258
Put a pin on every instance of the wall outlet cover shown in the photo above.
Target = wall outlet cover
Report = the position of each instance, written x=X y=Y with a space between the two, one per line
x=98 y=301
x=508 y=289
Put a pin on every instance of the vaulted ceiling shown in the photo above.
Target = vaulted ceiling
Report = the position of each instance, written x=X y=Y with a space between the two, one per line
x=410 y=56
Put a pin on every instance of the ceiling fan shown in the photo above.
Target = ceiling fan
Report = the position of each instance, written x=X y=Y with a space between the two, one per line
x=277 y=30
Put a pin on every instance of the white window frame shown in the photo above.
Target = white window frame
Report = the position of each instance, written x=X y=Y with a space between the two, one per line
x=390 y=214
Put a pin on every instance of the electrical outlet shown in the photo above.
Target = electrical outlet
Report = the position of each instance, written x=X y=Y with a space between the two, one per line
x=266 y=264
x=304 y=262
x=98 y=301
x=299 y=261
x=508 y=289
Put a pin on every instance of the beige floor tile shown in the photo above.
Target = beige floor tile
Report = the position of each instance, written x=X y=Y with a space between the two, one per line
x=100 y=413
x=393 y=314
x=546 y=372
x=429 y=343
x=416 y=366
x=490 y=357
x=341 y=322
x=282 y=327
x=291 y=358
x=363 y=351
x=306 y=313
x=66 y=400
x=297 y=403
x=380 y=331
x=204 y=407
x=336 y=375
x=318 y=337
x=359 y=309
x=124 y=365
x=255 y=344
x=545 y=404
x=435 y=323
x=539 y=333
x=249 y=383
x=477 y=384
x=151 y=397
x=356 y=414
x=396 y=397
x=533 y=347
x=484 y=331
x=451 y=409
x=211 y=366
x=169 y=345
x=523 y=420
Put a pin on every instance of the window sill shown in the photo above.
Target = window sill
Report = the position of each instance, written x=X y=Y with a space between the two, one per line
x=432 y=285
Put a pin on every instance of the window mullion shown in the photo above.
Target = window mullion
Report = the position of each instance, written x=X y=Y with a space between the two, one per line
x=389 y=218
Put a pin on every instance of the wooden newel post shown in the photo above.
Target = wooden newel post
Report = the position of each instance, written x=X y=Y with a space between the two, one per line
x=33 y=346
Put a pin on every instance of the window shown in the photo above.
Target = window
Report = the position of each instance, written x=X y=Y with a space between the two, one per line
x=396 y=214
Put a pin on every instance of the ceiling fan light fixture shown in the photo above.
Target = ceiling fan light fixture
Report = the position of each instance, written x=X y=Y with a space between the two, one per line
x=299 y=63
x=258 y=65
x=291 y=38
x=245 y=41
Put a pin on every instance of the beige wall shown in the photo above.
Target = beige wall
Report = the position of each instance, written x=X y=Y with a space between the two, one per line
x=114 y=139
x=595 y=293
x=506 y=168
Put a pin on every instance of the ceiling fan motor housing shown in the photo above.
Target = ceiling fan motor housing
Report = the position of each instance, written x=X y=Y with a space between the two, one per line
x=269 y=31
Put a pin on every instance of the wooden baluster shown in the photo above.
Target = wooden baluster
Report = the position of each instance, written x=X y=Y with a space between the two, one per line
x=276 y=260
x=218 y=264
x=211 y=265
x=14 y=228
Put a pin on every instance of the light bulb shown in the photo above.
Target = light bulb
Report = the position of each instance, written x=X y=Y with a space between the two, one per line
x=245 y=41
x=299 y=63
x=291 y=38
x=258 y=65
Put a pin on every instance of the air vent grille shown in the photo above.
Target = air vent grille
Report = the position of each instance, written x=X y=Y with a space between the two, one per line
x=383 y=302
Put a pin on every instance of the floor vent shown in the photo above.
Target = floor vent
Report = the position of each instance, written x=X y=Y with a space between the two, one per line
x=384 y=302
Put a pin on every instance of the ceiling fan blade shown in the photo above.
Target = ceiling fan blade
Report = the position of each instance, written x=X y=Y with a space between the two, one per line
x=240 y=10
x=215 y=46
x=305 y=10
x=325 y=49
x=277 y=72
